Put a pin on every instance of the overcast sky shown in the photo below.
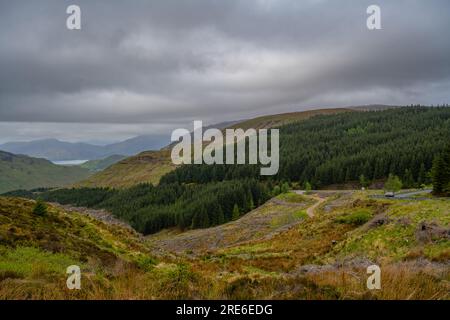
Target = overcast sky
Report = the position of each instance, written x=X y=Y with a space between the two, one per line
x=150 y=66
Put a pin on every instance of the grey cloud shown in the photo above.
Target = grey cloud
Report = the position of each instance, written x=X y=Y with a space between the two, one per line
x=168 y=62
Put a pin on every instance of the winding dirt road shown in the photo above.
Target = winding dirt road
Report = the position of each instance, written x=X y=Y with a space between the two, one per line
x=310 y=211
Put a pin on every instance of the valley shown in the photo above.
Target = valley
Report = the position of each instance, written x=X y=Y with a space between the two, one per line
x=143 y=228
x=151 y=166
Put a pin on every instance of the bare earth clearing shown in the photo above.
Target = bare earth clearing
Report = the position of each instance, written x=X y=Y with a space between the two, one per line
x=274 y=217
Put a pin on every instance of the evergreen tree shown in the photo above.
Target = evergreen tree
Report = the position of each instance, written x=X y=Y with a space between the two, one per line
x=284 y=187
x=251 y=203
x=393 y=183
x=408 y=180
x=308 y=187
x=440 y=173
x=422 y=176
x=236 y=212
x=220 y=216
x=363 y=181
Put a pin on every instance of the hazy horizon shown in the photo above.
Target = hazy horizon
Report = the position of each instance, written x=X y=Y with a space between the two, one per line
x=140 y=130
x=148 y=67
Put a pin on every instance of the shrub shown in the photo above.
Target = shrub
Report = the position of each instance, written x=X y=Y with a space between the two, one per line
x=147 y=263
x=393 y=183
x=357 y=218
x=40 y=208
x=284 y=188
x=308 y=187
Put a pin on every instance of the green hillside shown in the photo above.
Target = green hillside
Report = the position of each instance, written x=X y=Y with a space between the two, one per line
x=146 y=167
x=340 y=148
x=101 y=164
x=293 y=247
x=150 y=166
x=23 y=172
x=35 y=251
x=278 y=120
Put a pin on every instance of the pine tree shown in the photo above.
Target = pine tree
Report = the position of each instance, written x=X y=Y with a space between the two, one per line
x=252 y=203
x=308 y=187
x=446 y=158
x=205 y=220
x=363 y=181
x=220 y=216
x=236 y=212
x=440 y=173
x=437 y=175
x=196 y=220
x=408 y=180
x=422 y=177
x=393 y=183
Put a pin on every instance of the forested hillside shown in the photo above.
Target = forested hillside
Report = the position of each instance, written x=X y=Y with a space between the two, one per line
x=322 y=150
x=150 y=166
x=340 y=148
x=149 y=209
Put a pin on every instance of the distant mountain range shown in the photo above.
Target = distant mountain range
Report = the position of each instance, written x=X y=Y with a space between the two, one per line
x=55 y=150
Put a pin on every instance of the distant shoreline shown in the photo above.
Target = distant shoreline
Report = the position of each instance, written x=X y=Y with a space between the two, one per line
x=69 y=162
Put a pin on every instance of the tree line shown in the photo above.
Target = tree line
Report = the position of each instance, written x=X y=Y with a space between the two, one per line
x=150 y=208
x=342 y=148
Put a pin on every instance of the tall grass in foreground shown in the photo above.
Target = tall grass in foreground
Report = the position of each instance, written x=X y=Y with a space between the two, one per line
x=401 y=281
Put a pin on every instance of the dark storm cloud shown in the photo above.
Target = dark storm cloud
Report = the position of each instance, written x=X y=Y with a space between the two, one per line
x=168 y=62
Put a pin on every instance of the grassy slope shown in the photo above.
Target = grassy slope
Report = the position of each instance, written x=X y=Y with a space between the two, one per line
x=278 y=120
x=147 y=166
x=276 y=251
x=150 y=166
x=22 y=172
x=36 y=250
x=98 y=165
x=325 y=256
x=346 y=217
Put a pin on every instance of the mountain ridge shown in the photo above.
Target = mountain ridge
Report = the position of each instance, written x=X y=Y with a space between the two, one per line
x=57 y=150
x=24 y=172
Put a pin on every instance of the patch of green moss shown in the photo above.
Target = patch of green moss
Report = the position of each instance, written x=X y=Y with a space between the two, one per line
x=249 y=249
x=292 y=197
x=438 y=251
x=357 y=218
x=396 y=238
x=28 y=262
